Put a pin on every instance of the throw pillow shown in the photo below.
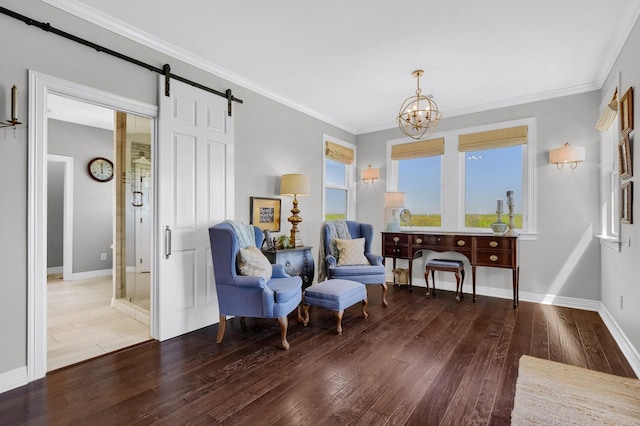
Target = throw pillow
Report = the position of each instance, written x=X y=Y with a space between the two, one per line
x=351 y=252
x=253 y=263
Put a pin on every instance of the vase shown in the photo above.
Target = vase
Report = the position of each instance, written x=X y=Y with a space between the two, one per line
x=499 y=227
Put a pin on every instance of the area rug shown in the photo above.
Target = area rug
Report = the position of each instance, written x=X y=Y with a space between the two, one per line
x=552 y=393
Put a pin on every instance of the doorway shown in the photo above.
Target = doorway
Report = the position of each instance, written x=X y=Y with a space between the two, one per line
x=102 y=302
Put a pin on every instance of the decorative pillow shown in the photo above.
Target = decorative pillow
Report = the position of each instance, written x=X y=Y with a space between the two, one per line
x=253 y=263
x=351 y=252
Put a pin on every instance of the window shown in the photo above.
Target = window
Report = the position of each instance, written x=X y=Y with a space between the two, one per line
x=419 y=174
x=457 y=190
x=339 y=179
x=609 y=171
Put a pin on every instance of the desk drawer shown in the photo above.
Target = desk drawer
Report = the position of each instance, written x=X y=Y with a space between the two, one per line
x=391 y=250
x=495 y=243
x=450 y=241
x=494 y=258
x=394 y=239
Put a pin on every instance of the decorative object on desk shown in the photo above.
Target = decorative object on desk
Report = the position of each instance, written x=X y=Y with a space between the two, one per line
x=419 y=114
x=267 y=239
x=626 y=202
x=283 y=242
x=265 y=213
x=511 y=206
x=624 y=158
x=295 y=185
x=626 y=112
x=393 y=202
x=405 y=216
x=567 y=154
x=499 y=227
x=369 y=175
x=14 y=110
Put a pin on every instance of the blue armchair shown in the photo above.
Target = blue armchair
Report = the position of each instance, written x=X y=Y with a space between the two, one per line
x=374 y=273
x=247 y=296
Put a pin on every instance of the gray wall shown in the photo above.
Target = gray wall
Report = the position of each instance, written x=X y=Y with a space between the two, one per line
x=565 y=259
x=55 y=213
x=271 y=139
x=621 y=270
x=93 y=206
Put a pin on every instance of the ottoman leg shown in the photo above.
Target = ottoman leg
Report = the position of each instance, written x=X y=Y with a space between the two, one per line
x=365 y=302
x=384 y=295
x=305 y=319
x=339 y=321
x=284 y=324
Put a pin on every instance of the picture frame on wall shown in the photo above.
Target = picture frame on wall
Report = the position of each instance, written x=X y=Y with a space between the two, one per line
x=625 y=158
x=626 y=112
x=265 y=213
x=626 y=202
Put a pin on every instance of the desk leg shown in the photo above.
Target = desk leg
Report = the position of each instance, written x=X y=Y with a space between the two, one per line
x=516 y=286
x=410 y=273
x=473 y=282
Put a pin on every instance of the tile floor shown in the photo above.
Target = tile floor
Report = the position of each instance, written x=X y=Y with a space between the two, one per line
x=82 y=324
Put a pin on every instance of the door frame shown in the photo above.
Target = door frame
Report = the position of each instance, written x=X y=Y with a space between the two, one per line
x=40 y=85
x=67 y=214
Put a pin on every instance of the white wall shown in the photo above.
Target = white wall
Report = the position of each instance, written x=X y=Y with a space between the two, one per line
x=565 y=258
x=55 y=213
x=621 y=270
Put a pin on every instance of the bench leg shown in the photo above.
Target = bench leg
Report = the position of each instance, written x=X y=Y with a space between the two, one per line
x=365 y=302
x=284 y=324
x=426 y=279
x=221 y=326
x=339 y=315
x=458 y=288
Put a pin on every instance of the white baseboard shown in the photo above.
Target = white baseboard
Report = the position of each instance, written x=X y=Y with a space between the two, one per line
x=629 y=351
x=54 y=270
x=91 y=274
x=13 y=379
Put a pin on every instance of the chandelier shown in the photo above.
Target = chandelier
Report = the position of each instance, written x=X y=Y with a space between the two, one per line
x=418 y=114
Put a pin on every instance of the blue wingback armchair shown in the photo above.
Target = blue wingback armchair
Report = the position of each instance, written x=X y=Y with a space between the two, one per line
x=374 y=273
x=247 y=296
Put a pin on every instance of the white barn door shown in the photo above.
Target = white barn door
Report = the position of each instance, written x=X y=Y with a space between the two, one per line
x=195 y=191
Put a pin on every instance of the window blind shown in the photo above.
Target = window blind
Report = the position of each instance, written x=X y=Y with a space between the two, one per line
x=491 y=139
x=419 y=149
x=609 y=114
x=340 y=153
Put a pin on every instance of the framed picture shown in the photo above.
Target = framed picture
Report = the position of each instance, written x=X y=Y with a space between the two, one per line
x=265 y=213
x=624 y=158
x=626 y=112
x=626 y=202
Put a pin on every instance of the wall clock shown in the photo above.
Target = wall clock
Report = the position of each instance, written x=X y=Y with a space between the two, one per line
x=100 y=169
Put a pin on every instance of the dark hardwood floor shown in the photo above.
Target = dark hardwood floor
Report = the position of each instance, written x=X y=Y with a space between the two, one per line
x=419 y=361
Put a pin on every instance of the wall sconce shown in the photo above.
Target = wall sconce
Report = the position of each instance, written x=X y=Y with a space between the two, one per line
x=295 y=185
x=14 y=109
x=567 y=154
x=369 y=175
x=393 y=202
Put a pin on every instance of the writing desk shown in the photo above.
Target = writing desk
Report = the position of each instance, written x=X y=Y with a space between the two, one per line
x=481 y=249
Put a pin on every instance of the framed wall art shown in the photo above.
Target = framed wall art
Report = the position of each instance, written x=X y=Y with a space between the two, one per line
x=626 y=202
x=265 y=213
x=626 y=112
x=624 y=158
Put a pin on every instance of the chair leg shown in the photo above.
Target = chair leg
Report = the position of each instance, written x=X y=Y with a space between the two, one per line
x=365 y=302
x=339 y=321
x=284 y=324
x=221 y=326
x=384 y=295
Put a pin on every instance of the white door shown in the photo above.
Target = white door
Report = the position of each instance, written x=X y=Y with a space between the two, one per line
x=195 y=191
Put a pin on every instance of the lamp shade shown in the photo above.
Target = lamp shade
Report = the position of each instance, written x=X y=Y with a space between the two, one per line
x=295 y=184
x=394 y=199
x=567 y=154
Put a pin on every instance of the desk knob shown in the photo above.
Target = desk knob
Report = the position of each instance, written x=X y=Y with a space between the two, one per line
x=493 y=258
x=419 y=240
x=461 y=242
x=493 y=244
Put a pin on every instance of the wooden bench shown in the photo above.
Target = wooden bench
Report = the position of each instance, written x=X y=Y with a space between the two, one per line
x=445 y=265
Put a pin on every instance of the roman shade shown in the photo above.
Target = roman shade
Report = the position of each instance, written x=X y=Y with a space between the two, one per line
x=419 y=149
x=340 y=153
x=609 y=114
x=492 y=139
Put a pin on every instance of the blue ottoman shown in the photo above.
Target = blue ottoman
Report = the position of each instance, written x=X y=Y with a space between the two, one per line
x=336 y=295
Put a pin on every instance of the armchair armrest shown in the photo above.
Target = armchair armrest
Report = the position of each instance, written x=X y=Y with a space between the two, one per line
x=374 y=259
x=245 y=281
x=331 y=261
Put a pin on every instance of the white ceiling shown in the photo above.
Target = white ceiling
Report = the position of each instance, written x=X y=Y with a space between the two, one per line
x=350 y=62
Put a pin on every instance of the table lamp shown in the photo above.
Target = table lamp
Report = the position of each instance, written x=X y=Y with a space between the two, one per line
x=294 y=185
x=393 y=202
